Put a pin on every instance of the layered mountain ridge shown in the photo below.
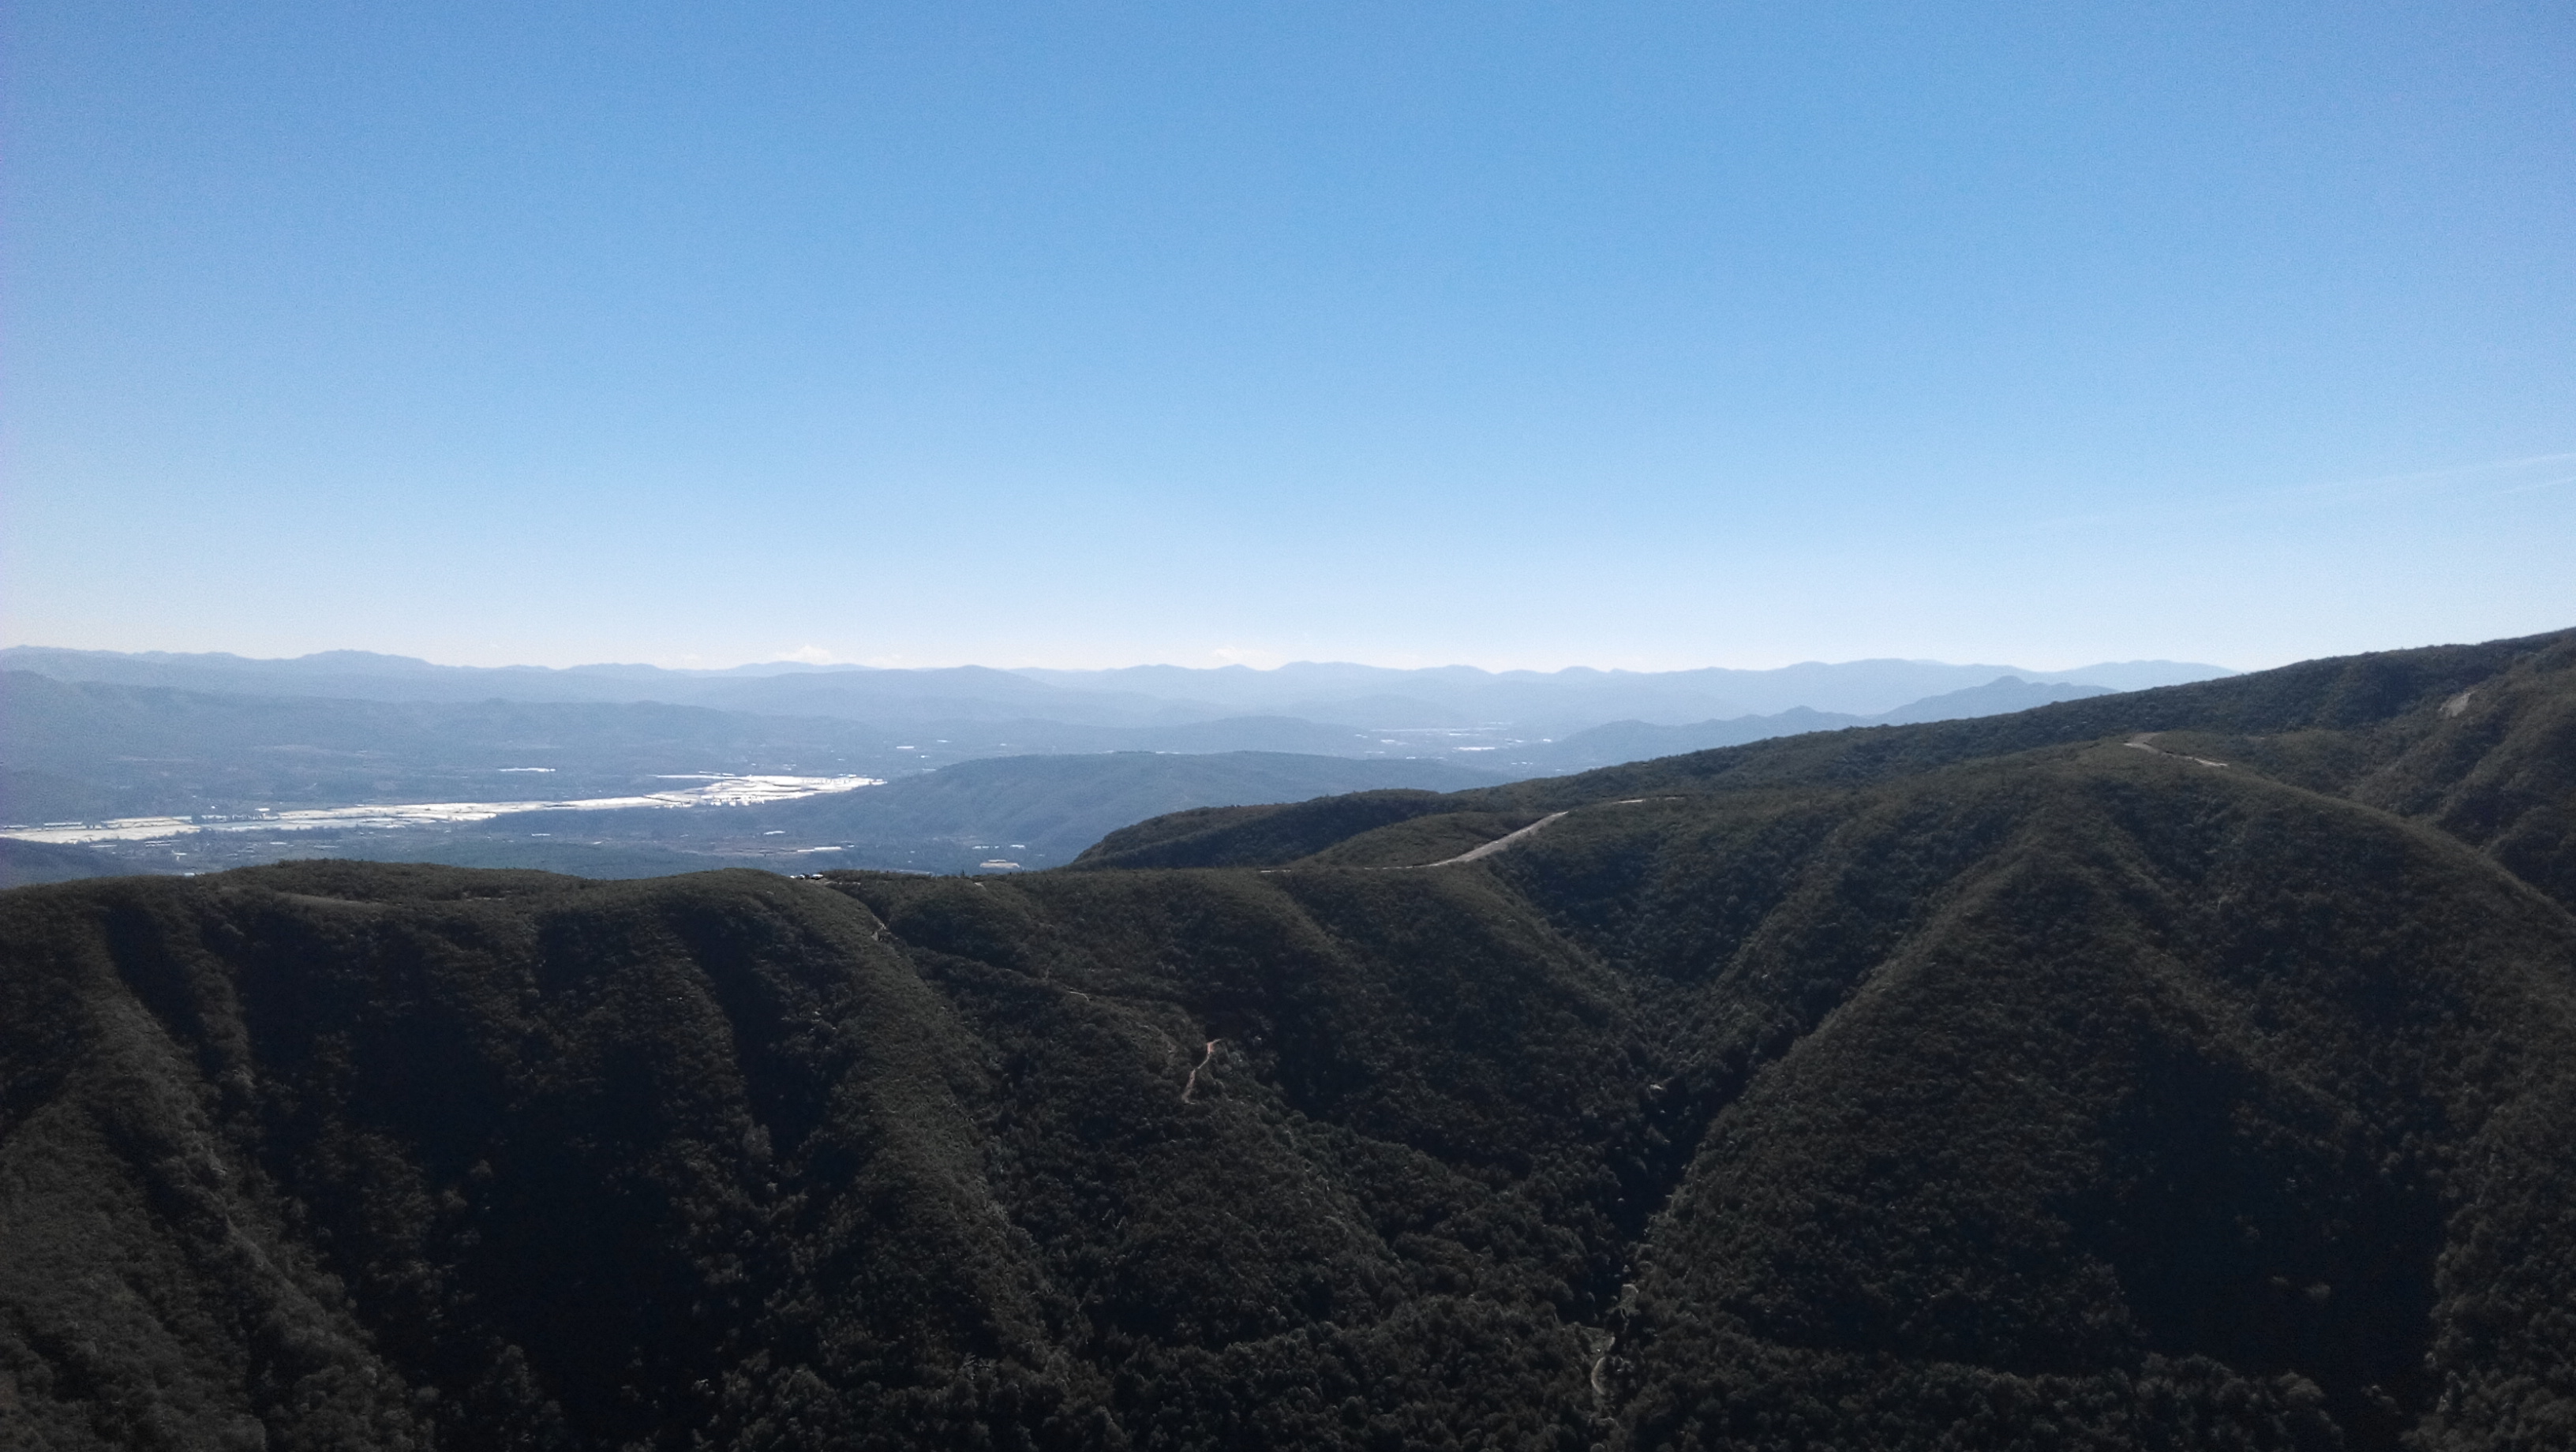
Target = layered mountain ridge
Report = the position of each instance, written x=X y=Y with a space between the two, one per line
x=2187 y=1068
x=1136 y=696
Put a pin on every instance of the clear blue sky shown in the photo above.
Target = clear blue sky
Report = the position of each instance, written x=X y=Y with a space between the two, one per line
x=1648 y=335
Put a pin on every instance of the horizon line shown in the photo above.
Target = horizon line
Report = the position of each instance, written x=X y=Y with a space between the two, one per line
x=799 y=661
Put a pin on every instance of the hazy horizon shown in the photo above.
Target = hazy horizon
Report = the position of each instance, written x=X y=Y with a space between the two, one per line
x=793 y=661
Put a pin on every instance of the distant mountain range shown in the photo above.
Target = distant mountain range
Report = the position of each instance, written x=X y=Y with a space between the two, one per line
x=1639 y=740
x=1542 y=703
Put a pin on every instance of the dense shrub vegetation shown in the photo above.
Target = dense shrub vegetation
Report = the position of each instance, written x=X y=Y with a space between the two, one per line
x=1992 y=1084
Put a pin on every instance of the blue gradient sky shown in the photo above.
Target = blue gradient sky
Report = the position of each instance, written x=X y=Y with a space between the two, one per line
x=1519 y=335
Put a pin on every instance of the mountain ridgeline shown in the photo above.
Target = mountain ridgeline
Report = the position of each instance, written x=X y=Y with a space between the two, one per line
x=2192 y=1068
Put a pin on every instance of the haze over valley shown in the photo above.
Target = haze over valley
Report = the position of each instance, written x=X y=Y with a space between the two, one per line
x=158 y=762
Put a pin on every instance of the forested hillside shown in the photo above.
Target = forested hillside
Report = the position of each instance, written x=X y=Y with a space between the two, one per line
x=2194 y=1068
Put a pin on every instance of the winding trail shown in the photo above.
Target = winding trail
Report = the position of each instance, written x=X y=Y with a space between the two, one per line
x=1205 y=1059
x=1488 y=849
x=1498 y=844
x=1508 y=838
x=2145 y=741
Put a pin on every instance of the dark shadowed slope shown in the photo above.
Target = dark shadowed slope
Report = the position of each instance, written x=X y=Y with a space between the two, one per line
x=357 y=1154
x=2100 y=1081
x=1870 y=1091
